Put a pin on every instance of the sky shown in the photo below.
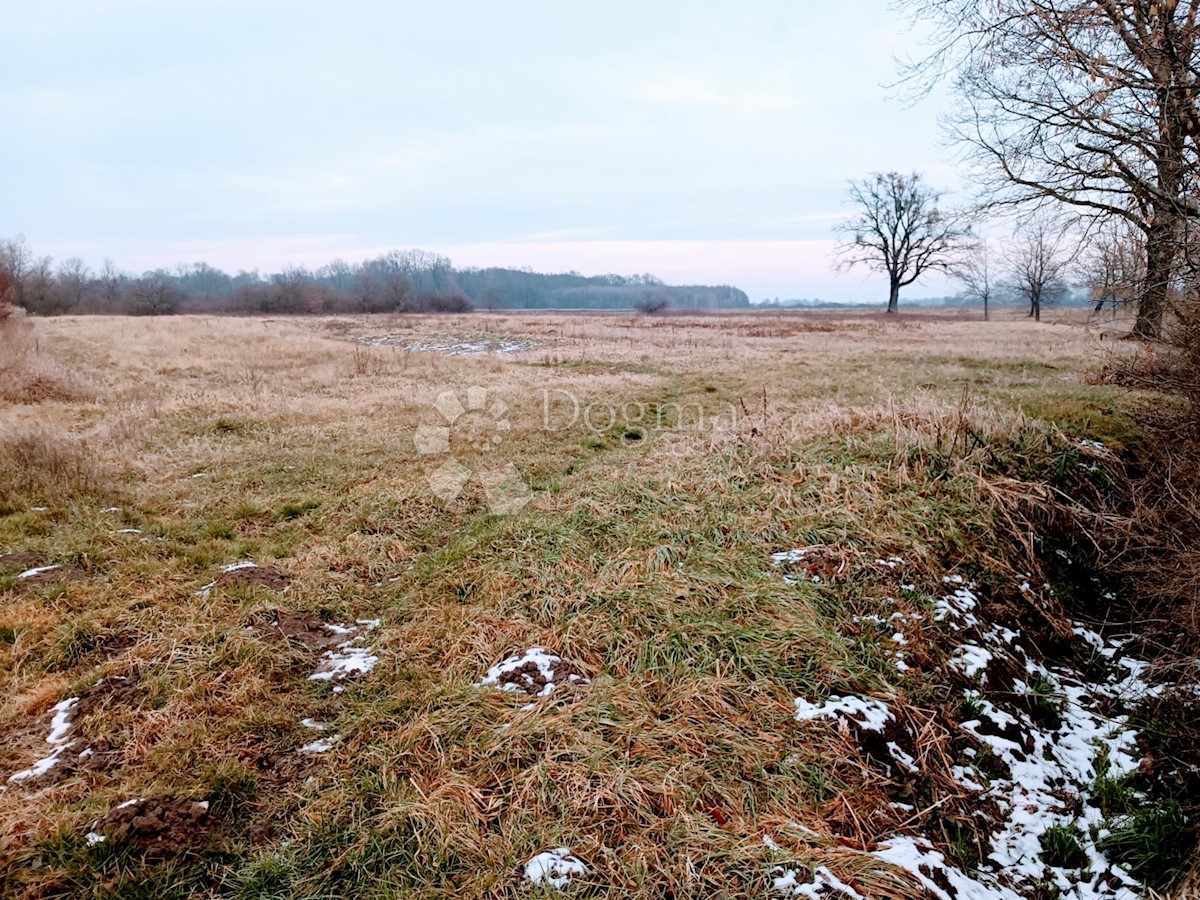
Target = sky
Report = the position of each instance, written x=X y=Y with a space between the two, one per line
x=705 y=141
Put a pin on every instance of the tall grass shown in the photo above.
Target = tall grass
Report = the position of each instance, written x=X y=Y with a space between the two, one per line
x=26 y=374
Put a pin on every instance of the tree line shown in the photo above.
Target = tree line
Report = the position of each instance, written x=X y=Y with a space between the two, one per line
x=397 y=281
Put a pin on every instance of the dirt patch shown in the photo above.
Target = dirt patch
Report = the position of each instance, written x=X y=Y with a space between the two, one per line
x=44 y=576
x=21 y=561
x=307 y=630
x=535 y=672
x=161 y=828
x=532 y=678
x=262 y=576
x=116 y=690
x=819 y=563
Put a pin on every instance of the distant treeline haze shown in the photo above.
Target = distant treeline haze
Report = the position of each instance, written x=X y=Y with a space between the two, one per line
x=398 y=281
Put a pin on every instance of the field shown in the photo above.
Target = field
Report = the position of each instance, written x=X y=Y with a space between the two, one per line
x=701 y=519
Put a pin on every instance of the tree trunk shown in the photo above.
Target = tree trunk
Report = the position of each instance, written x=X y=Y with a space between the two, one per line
x=1037 y=308
x=894 y=298
x=985 y=307
x=1160 y=262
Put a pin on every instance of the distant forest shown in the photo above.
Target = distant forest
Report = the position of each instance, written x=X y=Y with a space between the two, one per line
x=398 y=281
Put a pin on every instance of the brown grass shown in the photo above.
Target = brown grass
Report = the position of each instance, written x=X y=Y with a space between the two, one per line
x=642 y=559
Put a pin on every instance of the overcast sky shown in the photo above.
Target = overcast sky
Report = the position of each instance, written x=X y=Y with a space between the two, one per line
x=703 y=141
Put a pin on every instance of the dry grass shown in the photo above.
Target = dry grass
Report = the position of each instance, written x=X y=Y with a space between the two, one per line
x=643 y=558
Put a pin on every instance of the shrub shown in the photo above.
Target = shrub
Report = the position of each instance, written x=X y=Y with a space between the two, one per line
x=26 y=376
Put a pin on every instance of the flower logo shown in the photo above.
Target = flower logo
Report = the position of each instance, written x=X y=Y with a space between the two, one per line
x=471 y=426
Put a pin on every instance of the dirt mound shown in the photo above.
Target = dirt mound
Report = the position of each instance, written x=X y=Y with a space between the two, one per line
x=50 y=575
x=21 y=561
x=530 y=677
x=263 y=576
x=308 y=630
x=534 y=672
x=161 y=828
x=818 y=563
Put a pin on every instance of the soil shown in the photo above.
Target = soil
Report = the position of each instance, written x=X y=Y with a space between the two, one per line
x=263 y=576
x=21 y=561
x=161 y=828
x=308 y=630
x=530 y=678
x=826 y=563
x=58 y=575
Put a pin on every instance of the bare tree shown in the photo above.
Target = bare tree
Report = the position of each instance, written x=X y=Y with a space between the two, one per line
x=73 y=282
x=16 y=260
x=110 y=283
x=1038 y=268
x=974 y=272
x=899 y=230
x=1113 y=266
x=1090 y=103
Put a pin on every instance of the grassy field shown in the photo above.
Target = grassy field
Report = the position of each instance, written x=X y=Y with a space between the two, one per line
x=612 y=489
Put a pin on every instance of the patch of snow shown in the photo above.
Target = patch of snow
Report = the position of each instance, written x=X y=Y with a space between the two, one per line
x=546 y=663
x=972 y=660
x=321 y=745
x=866 y=712
x=42 y=766
x=60 y=730
x=555 y=868
x=93 y=838
x=128 y=531
x=60 y=724
x=314 y=724
x=349 y=657
x=30 y=573
x=111 y=509
x=824 y=884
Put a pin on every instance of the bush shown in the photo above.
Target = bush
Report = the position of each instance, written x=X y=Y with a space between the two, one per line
x=651 y=306
x=449 y=303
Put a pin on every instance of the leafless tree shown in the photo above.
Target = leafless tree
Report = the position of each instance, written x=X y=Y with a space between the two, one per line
x=973 y=271
x=109 y=284
x=1089 y=103
x=1040 y=263
x=899 y=230
x=16 y=260
x=1113 y=266
x=73 y=282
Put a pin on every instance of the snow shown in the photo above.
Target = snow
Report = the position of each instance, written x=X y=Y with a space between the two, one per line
x=42 y=766
x=314 y=724
x=60 y=724
x=824 y=884
x=30 y=573
x=547 y=665
x=451 y=345
x=94 y=838
x=321 y=745
x=349 y=657
x=971 y=659
x=555 y=868
x=60 y=730
x=867 y=713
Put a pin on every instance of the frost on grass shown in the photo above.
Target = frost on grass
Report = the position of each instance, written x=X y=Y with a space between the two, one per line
x=555 y=868
x=348 y=657
x=536 y=673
